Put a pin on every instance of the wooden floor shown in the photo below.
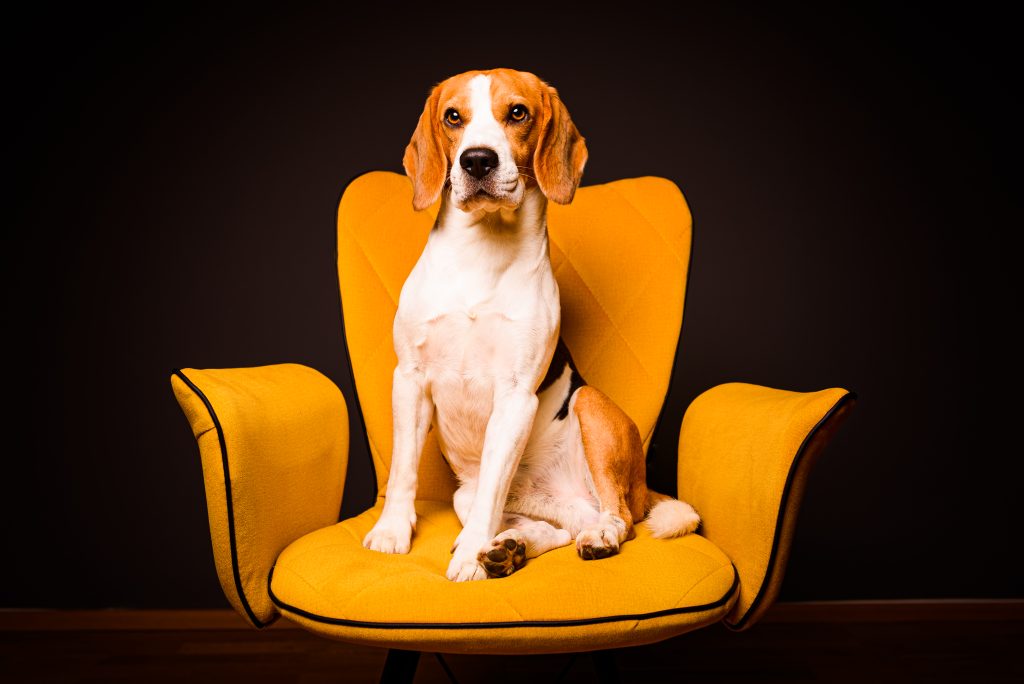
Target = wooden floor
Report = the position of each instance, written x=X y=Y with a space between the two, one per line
x=859 y=651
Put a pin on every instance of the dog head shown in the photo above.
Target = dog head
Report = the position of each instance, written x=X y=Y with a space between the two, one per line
x=492 y=135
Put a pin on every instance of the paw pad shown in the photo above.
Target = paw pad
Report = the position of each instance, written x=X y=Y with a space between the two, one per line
x=594 y=546
x=589 y=552
x=503 y=558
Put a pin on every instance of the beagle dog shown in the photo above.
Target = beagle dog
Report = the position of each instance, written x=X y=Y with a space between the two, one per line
x=541 y=458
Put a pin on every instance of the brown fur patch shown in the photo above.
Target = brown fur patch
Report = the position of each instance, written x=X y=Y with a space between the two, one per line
x=548 y=149
x=615 y=455
x=426 y=159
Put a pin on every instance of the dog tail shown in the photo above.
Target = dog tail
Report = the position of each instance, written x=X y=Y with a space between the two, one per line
x=668 y=517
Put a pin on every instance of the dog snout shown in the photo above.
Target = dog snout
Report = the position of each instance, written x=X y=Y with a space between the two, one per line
x=479 y=161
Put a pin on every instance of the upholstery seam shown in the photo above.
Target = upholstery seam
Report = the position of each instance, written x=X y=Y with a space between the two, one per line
x=724 y=600
x=376 y=581
x=380 y=284
x=781 y=517
x=611 y=321
x=651 y=223
x=700 y=582
x=232 y=543
x=375 y=452
x=204 y=431
x=615 y=187
x=421 y=519
x=688 y=211
x=380 y=206
x=373 y=267
x=690 y=550
x=298 y=577
x=347 y=358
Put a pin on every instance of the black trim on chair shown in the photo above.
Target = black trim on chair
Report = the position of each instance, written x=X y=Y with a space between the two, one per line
x=501 y=625
x=227 y=495
x=679 y=339
x=344 y=335
x=848 y=398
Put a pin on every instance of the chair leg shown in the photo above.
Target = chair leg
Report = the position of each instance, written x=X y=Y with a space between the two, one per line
x=400 y=667
x=605 y=667
x=447 y=670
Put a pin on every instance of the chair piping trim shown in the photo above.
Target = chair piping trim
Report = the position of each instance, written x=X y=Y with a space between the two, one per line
x=232 y=544
x=781 y=518
x=505 y=624
x=370 y=451
x=679 y=345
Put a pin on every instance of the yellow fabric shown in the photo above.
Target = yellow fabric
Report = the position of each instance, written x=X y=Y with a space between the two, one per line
x=286 y=434
x=620 y=253
x=736 y=447
x=329 y=575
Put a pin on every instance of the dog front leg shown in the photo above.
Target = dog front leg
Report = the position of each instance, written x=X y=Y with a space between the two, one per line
x=504 y=440
x=412 y=411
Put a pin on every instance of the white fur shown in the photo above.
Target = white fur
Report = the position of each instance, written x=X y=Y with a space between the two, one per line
x=555 y=482
x=607 y=533
x=538 y=536
x=503 y=184
x=671 y=518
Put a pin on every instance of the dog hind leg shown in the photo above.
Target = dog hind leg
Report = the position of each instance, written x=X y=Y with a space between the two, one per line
x=615 y=458
x=525 y=538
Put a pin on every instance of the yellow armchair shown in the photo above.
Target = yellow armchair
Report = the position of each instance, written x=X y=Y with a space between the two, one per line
x=274 y=442
x=274 y=447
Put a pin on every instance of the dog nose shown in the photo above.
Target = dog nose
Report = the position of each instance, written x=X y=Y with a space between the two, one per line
x=479 y=161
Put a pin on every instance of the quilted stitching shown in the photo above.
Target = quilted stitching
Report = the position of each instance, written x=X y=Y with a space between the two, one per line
x=614 y=329
x=610 y=346
x=329 y=572
x=376 y=222
x=388 y=287
x=672 y=245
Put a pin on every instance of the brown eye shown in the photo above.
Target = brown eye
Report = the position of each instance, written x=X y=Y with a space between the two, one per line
x=452 y=117
x=518 y=113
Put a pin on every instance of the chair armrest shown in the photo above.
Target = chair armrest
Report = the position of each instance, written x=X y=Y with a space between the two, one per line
x=744 y=455
x=274 y=447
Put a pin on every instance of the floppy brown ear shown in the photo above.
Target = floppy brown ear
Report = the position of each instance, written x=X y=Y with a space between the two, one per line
x=424 y=160
x=561 y=151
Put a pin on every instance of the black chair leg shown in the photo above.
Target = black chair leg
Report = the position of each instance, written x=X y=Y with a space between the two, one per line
x=605 y=667
x=400 y=667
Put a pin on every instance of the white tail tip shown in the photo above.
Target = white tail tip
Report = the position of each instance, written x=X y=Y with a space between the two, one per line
x=672 y=518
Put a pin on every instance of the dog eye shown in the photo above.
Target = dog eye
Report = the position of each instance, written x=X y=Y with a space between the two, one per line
x=517 y=113
x=452 y=117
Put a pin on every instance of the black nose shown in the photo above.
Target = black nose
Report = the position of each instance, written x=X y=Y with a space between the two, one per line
x=479 y=161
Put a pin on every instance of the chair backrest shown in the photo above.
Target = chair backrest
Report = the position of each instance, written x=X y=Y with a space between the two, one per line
x=620 y=253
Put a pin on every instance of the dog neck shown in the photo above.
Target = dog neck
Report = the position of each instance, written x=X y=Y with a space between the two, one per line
x=495 y=243
x=528 y=220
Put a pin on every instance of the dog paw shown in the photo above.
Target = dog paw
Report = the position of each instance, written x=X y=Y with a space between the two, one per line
x=597 y=542
x=389 y=536
x=503 y=555
x=465 y=570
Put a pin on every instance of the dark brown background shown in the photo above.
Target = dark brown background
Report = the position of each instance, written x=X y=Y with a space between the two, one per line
x=174 y=184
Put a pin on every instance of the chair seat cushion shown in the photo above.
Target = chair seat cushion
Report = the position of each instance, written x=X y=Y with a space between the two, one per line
x=653 y=589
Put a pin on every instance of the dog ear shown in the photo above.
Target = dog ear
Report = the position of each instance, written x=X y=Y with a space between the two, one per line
x=424 y=161
x=561 y=151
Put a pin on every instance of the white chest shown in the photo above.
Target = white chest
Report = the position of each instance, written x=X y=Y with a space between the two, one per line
x=479 y=314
